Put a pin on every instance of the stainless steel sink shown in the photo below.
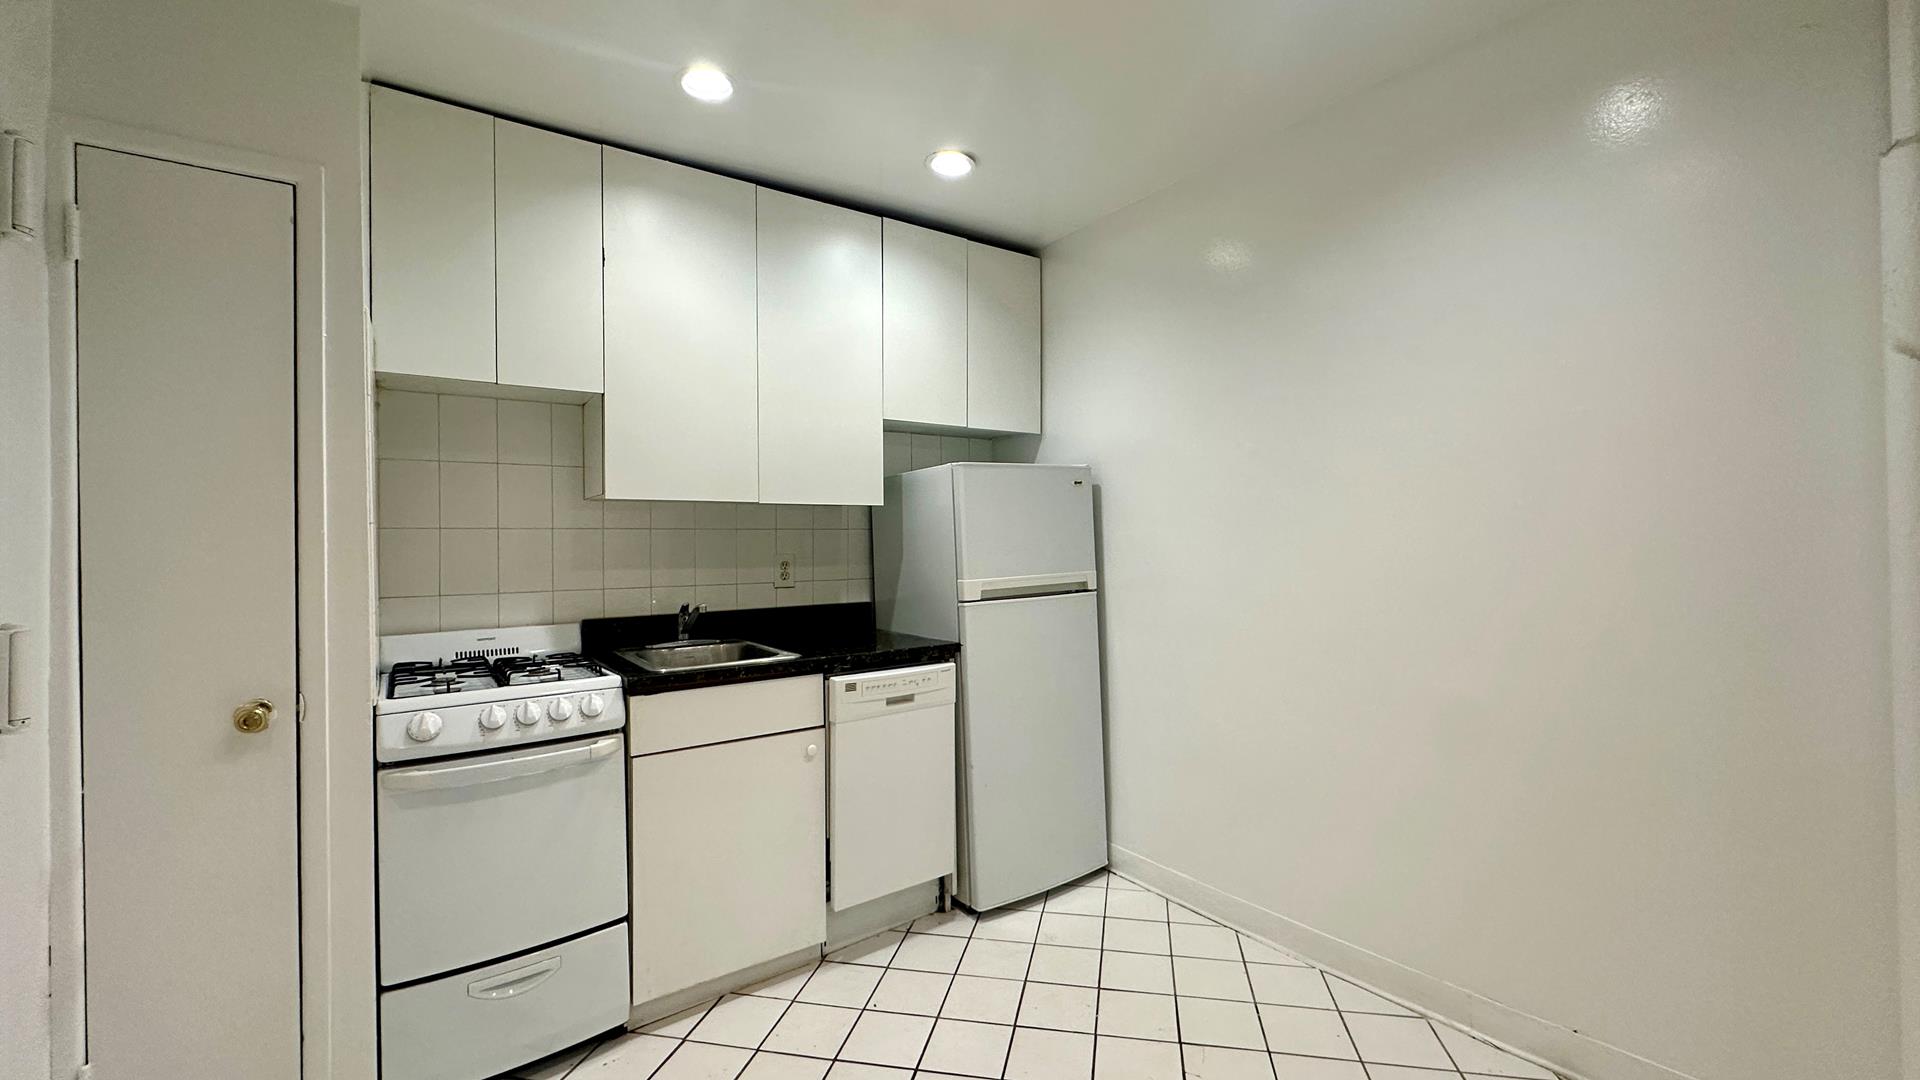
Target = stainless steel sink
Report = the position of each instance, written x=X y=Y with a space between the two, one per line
x=705 y=653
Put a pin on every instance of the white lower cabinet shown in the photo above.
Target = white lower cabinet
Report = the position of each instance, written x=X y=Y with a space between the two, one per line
x=729 y=853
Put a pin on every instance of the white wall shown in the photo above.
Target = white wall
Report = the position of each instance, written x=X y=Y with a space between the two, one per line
x=1512 y=434
x=280 y=79
x=25 y=65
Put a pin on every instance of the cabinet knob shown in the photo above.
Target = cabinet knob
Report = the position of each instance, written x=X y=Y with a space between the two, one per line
x=813 y=751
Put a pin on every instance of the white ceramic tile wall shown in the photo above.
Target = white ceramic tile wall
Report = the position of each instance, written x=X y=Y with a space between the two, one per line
x=482 y=523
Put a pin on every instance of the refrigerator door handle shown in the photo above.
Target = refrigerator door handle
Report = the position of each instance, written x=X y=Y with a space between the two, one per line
x=1007 y=588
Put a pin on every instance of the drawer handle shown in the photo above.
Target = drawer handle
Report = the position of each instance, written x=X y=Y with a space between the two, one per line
x=513 y=983
x=813 y=751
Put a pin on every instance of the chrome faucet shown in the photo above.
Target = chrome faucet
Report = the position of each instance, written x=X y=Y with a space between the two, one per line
x=689 y=614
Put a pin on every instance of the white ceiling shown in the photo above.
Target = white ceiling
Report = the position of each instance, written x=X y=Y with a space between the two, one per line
x=1074 y=108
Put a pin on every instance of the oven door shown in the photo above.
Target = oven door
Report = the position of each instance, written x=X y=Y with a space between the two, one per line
x=482 y=857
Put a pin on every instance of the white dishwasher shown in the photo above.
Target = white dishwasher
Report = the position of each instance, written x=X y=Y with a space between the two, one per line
x=890 y=781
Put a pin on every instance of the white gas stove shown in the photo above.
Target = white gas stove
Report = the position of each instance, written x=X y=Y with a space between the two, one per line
x=502 y=774
x=467 y=690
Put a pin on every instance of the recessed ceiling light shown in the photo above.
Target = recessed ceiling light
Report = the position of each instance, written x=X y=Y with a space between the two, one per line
x=704 y=82
x=950 y=164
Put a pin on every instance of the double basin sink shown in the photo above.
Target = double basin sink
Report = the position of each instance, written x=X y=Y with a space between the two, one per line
x=701 y=654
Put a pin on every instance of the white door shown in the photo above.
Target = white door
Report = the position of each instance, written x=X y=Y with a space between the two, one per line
x=1033 y=758
x=431 y=208
x=1022 y=529
x=924 y=324
x=729 y=858
x=680 y=411
x=185 y=348
x=547 y=241
x=1003 y=340
x=820 y=436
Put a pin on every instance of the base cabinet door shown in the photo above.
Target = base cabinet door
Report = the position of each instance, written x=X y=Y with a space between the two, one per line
x=729 y=858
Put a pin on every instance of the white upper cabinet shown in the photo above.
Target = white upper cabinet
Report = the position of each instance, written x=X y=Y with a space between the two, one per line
x=924 y=325
x=680 y=419
x=820 y=371
x=547 y=232
x=1003 y=340
x=432 y=238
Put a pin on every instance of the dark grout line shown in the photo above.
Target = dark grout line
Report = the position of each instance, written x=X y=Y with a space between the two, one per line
x=1258 y=1019
x=1443 y=1046
x=1173 y=981
x=952 y=977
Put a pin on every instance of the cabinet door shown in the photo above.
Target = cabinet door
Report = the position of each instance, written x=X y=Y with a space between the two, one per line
x=1003 y=340
x=547 y=234
x=819 y=328
x=680 y=415
x=923 y=325
x=729 y=858
x=432 y=237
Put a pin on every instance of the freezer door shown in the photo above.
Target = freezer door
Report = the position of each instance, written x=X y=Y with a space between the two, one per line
x=1033 y=776
x=1022 y=529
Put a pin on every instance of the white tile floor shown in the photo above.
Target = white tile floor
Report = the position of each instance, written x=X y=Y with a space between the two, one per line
x=1101 y=980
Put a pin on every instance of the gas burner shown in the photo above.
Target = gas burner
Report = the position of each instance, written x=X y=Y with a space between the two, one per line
x=544 y=668
x=424 y=678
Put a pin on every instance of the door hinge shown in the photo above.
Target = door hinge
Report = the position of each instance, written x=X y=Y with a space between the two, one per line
x=70 y=232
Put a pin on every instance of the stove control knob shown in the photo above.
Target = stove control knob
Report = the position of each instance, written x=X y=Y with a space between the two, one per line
x=424 y=727
x=592 y=705
x=561 y=710
x=529 y=713
x=493 y=717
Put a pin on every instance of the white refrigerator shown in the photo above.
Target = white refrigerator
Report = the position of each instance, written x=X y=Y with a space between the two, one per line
x=1000 y=558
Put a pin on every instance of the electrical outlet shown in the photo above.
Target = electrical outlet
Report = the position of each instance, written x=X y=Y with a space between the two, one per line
x=783 y=571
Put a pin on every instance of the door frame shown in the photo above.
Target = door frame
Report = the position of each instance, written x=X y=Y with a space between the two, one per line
x=336 y=937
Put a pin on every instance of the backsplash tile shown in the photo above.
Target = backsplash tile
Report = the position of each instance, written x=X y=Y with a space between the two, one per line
x=482 y=523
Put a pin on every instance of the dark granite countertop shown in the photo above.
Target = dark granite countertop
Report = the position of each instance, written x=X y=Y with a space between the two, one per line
x=832 y=639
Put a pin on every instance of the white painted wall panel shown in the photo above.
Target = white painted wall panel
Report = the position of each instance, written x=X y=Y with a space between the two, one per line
x=1518 y=425
x=26 y=43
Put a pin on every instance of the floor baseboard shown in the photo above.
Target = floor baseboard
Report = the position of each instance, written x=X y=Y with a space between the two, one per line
x=1551 y=1045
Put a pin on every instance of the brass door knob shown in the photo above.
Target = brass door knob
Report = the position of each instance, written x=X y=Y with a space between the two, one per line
x=253 y=717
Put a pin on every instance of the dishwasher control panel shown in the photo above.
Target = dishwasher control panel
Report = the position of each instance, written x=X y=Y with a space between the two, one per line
x=914 y=682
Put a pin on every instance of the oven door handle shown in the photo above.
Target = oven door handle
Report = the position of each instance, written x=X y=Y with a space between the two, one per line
x=468 y=774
